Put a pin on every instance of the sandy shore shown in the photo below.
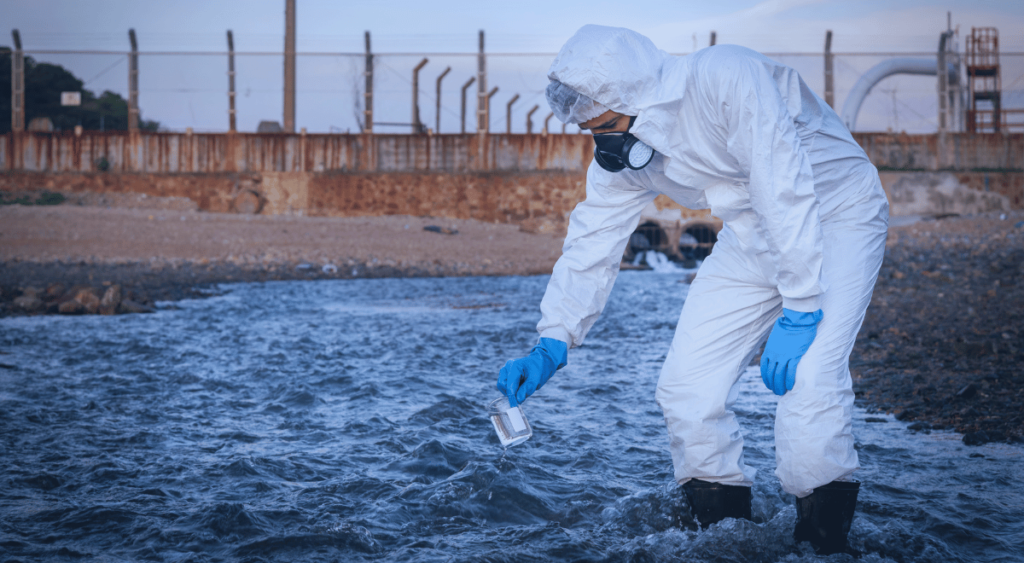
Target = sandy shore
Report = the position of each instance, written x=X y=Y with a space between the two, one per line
x=115 y=236
x=941 y=346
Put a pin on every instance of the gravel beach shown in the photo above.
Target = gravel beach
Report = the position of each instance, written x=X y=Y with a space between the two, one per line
x=941 y=346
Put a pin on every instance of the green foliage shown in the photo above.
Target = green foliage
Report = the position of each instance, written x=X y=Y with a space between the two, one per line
x=43 y=84
x=44 y=198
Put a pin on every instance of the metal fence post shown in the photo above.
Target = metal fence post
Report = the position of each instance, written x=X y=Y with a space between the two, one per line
x=463 y=108
x=508 y=114
x=488 y=105
x=529 y=120
x=829 y=85
x=437 y=120
x=417 y=125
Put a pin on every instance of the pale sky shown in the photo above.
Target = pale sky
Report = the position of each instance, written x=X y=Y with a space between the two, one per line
x=190 y=91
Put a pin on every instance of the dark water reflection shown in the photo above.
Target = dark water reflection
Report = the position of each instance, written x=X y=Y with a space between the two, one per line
x=345 y=421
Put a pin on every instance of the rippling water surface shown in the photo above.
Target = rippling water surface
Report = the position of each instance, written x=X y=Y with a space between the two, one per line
x=345 y=421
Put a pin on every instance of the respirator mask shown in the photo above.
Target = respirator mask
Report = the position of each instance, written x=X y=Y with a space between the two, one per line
x=617 y=150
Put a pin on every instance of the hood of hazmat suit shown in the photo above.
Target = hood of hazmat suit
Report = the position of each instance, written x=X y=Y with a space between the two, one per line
x=735 y=133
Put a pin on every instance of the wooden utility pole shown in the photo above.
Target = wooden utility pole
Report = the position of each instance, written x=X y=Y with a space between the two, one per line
x=368 y=112
x=17 y=85
x=231 y=83
x=133 y=83
x=481 y=91
x=289 y=66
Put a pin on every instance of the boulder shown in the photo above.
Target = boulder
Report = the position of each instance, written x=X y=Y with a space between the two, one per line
x=55 y=290
x=111 y=300
x=90 y=302
x=129 y=306
x=71 y=307
x=543 y=225
x=30 y=291
x=976 y=438
x=28 y=303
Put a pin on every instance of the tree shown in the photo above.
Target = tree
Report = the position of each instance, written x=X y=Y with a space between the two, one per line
x=43 y=84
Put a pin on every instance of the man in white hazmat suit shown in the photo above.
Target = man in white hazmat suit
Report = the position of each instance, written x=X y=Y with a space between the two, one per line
x=805 y=221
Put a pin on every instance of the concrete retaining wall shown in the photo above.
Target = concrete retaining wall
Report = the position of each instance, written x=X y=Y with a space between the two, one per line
x=534 y=180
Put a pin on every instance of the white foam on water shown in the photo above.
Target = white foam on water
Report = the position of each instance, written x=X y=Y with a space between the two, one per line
x=660 y=263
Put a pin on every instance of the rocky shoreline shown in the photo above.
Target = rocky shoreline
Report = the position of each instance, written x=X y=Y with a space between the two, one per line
x=941 y=347
x=84 y=288
x=942 y=344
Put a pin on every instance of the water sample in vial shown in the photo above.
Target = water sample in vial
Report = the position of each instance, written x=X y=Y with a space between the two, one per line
x=509 y=423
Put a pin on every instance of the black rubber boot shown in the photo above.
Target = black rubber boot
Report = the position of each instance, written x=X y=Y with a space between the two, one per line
x=712 y=502
x=824 y=517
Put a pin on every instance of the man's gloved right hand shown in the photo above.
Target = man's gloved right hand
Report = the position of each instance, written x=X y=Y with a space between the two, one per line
x=521 y=378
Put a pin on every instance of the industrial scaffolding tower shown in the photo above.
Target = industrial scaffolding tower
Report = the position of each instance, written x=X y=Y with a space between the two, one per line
x=983 y=81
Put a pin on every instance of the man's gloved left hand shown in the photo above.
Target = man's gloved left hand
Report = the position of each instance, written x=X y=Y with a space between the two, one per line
x=521 y=378
x=790 y=338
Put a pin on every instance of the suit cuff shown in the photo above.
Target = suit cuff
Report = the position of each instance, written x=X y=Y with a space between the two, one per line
x=802 y=305
x=558 y=333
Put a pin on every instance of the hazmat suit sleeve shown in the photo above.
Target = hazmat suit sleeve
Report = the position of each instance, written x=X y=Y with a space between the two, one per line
x=762 y=137
x=599 y=229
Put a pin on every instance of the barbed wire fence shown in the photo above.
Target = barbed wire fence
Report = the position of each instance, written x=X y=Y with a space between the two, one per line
x=182 y=89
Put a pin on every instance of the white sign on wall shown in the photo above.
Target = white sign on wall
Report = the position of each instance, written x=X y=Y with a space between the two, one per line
x=70 y=98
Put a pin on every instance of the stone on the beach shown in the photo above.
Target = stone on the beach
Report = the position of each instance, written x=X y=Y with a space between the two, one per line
x=28 y=303
x=30 y=292
x=111 y=299
x=976 y=438
x=129 y=306
x=90 y=302
x=71 y=307
x=967 y=391
x=441 y=230
x=55 y=290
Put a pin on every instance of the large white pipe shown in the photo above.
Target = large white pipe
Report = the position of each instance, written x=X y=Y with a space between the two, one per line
x=884 y=69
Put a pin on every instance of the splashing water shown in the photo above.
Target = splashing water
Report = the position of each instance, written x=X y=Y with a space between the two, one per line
x=323 y=421
x=660 y=263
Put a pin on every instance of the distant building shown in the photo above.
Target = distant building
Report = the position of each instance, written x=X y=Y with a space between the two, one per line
x=269 y=127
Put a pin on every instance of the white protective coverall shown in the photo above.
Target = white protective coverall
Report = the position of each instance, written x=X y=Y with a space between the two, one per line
x=805 y=221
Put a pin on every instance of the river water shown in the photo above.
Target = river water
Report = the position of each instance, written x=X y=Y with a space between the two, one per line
x=346 y=421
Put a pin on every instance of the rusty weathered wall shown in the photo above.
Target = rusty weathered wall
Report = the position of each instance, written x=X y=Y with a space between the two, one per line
x=507 y=178
x=937 y=193
x=253 y=152
x=211 y=192
x=951 y=151
x=212 y=153
x=495 y=196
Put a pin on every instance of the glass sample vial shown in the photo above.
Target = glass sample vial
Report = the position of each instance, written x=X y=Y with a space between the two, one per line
x=509 y=423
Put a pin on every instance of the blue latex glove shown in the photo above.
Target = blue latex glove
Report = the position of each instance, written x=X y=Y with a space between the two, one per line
x=790 y=338
x=521 y=378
